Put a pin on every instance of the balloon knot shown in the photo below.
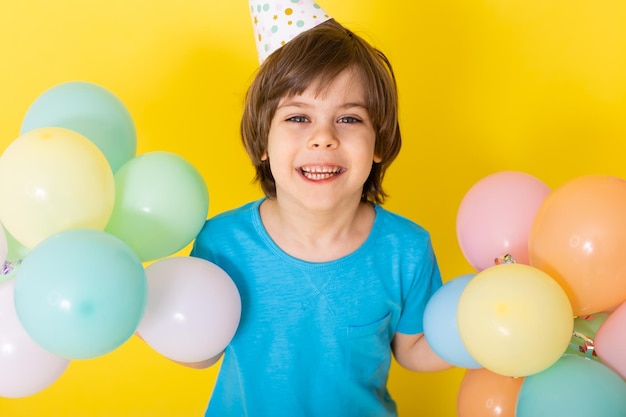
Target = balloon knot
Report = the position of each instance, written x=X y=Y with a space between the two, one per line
x=506 y=259
x=587 y=347
x=8 y=267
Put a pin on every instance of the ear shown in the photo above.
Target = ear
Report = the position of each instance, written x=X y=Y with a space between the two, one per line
x=264 y=156
x=377 y=159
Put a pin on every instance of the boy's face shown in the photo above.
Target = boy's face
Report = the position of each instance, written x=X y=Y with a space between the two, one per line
x=321 y=145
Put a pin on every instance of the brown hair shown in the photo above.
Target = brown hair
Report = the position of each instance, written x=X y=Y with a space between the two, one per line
x=318 y=56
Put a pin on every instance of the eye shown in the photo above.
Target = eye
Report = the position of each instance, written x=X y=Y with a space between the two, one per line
x=349 y=119
x=298 y=119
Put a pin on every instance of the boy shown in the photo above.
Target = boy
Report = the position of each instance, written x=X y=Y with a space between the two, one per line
x=331 y=283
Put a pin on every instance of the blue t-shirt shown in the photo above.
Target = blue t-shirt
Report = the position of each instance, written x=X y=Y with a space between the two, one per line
x=314 y=338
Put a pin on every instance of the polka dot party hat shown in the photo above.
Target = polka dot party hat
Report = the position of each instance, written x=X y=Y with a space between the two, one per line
x=277 y=22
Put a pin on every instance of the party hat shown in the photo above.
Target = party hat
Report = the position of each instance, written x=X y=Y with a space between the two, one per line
x=277 y=22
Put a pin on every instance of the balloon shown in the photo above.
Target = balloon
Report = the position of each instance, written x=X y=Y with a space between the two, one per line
x=15 y=253
x=90 y=110
x=5 y=267
x=161 y=204
x=496 y=215
x=80 y=293
x=578 y=238
x=193 y=309
x=25 y=367
x=15 y=250
x=486 y=394
x=53 y=179
x=610 y=342
x=585 y=330
x=573 y=387
x=514 y=319
x=4 y=246
x=440 y=327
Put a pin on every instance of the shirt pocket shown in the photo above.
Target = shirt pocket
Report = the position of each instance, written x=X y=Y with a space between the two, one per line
x=369 y=352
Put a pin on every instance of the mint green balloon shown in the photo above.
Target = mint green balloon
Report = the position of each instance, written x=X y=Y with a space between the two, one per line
x=80 y=293
x=161 y=203
x=16 y=251
x=574 y=387
x=90 y=110
x=15 y=254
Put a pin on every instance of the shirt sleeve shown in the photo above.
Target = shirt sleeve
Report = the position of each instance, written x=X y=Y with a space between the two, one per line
x=426 y=282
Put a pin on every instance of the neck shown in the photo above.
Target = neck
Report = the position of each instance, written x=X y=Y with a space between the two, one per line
x=317 y=236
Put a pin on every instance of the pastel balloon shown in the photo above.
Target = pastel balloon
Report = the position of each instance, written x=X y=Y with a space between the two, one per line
x=53 y=179
x=578 y=238
x=80 y=293
x=161 y=204
x=610 y=341
x=483 y=393
x=573 y=387
x=514 y=319
x=4 y=246
x=25 y=367
x=440 y=324
x=193 y=309
x=90 y=110
x=15 y=253
x=496 y=215
x=15 y=250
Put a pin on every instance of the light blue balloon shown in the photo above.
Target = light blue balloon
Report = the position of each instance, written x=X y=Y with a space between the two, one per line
x=80 y=293
x=440 y=324
x=574 y=386
x=90 y=110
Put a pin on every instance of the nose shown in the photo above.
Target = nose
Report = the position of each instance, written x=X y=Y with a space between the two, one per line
x=324 y=137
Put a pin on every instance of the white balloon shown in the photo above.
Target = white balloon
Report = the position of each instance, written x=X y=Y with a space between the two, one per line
x=25 y=367
x=193 y=309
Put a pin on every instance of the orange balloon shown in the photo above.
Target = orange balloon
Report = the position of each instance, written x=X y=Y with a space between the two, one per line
x=578 y=238
x=487 y=394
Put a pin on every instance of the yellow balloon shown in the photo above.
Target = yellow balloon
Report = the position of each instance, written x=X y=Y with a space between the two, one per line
x=514 y=319
x=53 y=179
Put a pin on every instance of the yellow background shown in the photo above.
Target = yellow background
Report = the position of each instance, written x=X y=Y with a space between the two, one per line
x=486 y=85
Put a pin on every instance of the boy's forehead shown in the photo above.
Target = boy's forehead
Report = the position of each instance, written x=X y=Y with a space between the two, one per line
x=327 y=83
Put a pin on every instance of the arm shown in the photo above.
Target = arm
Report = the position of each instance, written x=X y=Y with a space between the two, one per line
x=413 y=352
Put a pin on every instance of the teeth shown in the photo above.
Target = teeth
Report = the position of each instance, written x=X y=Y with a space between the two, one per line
x=321 y=169
x=320 y=172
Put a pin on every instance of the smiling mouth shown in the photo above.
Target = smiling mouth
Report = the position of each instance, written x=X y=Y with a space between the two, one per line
x=317 y=173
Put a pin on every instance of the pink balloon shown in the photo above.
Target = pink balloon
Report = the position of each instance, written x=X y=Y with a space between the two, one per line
x=610 y=341
x=193 y=309
x=496 y=215
x=25 y=367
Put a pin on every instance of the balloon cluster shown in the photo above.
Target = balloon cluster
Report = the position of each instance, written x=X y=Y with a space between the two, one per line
x=540 y=324
x=81 y=213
